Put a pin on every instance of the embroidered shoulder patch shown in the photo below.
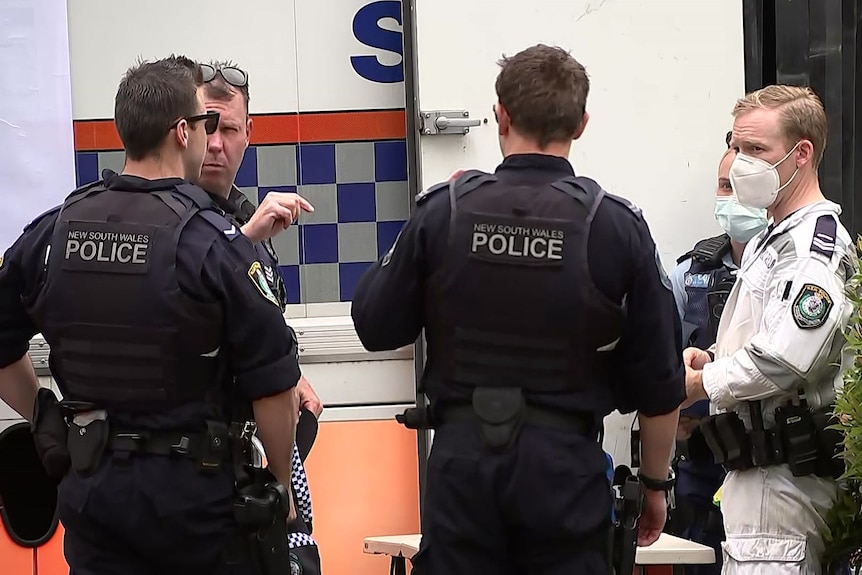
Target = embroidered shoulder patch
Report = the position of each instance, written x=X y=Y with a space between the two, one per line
x=811 y=307
x=255 y=273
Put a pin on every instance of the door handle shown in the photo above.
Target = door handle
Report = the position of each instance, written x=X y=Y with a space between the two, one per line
x=448 y=122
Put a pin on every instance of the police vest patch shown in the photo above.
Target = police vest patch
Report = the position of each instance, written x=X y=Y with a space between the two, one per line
x=255 y=272
x=108 y=247
x=516 y=241
x=811 y=307
x=694 y=280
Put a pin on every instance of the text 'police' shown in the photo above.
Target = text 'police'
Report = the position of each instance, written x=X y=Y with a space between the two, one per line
x=517 y=241
x=91 y=245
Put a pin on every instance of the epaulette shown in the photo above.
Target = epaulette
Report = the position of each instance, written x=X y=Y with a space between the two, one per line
x=462 y=180
x=627 y=203
x=711 y=250
x=209 y=210
x=825 y=231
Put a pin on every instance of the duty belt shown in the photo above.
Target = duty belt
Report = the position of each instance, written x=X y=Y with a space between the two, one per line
x=210 y=448
x=580 y=424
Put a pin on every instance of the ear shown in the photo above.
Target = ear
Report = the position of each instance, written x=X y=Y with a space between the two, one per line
x=579 y=132
x=504 y=122
x=248 y=126
x=181 y=134
x=804 y=153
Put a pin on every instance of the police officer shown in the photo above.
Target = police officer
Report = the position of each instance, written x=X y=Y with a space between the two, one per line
x=545 y=307
x=777 y=358
x=153 y=305
x=701 y=282
x=226 y=91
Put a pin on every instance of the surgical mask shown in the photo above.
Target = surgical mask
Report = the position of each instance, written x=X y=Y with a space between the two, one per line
x=755 y=182
x=740 y=222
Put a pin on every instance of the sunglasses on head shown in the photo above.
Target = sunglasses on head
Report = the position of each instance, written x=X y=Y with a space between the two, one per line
x=211 y=120
x=231 y=74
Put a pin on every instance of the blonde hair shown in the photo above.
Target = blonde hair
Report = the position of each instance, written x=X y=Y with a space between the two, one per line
x=801 y=114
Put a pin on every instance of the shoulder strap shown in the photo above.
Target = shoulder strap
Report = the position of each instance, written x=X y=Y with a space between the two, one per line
x=41 y=216
x=711 y=250
x=207 y=208
x=585 y=190
x=825 y=232
x=466 y=181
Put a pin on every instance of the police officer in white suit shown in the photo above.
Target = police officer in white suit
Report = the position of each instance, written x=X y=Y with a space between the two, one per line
x=772 y=376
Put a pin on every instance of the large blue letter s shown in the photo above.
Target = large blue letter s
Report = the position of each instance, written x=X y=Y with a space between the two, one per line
x=366 y=29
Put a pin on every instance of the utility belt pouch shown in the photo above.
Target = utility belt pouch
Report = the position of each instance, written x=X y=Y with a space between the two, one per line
x=50 y=434
x=501 y=412
x=89 y=432
x=215 y=448
x=830 y=443
x=795 y=426
x=727 y=438
x=696 y=449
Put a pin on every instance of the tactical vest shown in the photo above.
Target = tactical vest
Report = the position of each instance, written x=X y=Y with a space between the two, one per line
x=123 y=335
x=513 y=304
x=707 y=284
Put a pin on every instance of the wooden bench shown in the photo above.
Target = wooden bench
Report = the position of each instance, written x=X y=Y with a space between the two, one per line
x=658 y=558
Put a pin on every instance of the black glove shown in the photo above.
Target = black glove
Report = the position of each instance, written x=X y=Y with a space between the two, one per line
x=49 y=431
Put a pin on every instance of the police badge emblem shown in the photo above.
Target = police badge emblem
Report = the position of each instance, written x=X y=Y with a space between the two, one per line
x=811 y=307
x=295 y=565
x=256 y=274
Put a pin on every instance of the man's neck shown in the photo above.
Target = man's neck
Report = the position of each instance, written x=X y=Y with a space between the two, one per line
x=806 y=192
x=223 y=193
x=153 y=169
x=736 y=250
x=518 y=145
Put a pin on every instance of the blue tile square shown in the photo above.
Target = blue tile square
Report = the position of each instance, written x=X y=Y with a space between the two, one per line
x=390 y=161
x=318 y=244
x=262 y=192
x=386 y=234
x=356 y=203
x=246 y=177
x=290 y=275
x=87 y=167
x=317 y=163
x=348 y=277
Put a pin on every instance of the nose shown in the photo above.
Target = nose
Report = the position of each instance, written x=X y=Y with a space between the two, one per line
x=214 y=143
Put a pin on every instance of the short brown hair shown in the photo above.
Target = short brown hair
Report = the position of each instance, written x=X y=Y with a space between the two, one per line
x=219 y=89
x=152 y=96
x=800 y=110
x=544 y=90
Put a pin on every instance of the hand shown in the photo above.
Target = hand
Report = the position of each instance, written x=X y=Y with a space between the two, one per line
x=307 y=398
x=653 y=517
x=275 y=214
x=695 y=358
x=694 y=390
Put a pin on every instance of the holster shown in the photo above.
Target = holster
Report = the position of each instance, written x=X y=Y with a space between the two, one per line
x=89 y=432
x=261 y=510
x=628 y=506
x=50 y=432
x=501 y=412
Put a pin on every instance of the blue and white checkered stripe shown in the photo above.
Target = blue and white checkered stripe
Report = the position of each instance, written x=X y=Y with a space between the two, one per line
x=303 y=502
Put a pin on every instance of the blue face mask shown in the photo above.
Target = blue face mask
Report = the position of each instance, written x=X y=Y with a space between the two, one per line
x=740 y=222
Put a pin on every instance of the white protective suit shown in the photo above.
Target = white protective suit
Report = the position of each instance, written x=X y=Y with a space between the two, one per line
x=781 y=330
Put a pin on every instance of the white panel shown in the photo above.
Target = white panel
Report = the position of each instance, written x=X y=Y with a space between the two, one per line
x=664 y=77
x=106 y=38
x=362 y=383
x=37 y=166
x=367 y=413
x=349 y=55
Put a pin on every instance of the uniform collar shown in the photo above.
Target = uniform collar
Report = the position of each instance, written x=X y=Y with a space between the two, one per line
x=123 y=183
x=794 y=219
x=542 y=162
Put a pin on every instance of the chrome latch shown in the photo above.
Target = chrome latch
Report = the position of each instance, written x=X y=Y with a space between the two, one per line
x=457 y=122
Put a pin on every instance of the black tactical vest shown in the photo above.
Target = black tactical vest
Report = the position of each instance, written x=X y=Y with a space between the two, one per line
x=122 y=333
x=513 y=304
x=707 y=285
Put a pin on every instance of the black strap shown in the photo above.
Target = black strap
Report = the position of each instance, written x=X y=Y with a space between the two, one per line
x=578 y=424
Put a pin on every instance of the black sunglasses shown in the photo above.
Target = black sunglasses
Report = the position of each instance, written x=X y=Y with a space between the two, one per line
x=211 y=121
x=231 y=74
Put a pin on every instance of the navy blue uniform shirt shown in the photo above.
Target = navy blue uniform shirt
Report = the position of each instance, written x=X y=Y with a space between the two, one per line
x=389 y=302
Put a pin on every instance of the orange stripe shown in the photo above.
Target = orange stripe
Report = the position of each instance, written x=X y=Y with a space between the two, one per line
x=101 y=135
